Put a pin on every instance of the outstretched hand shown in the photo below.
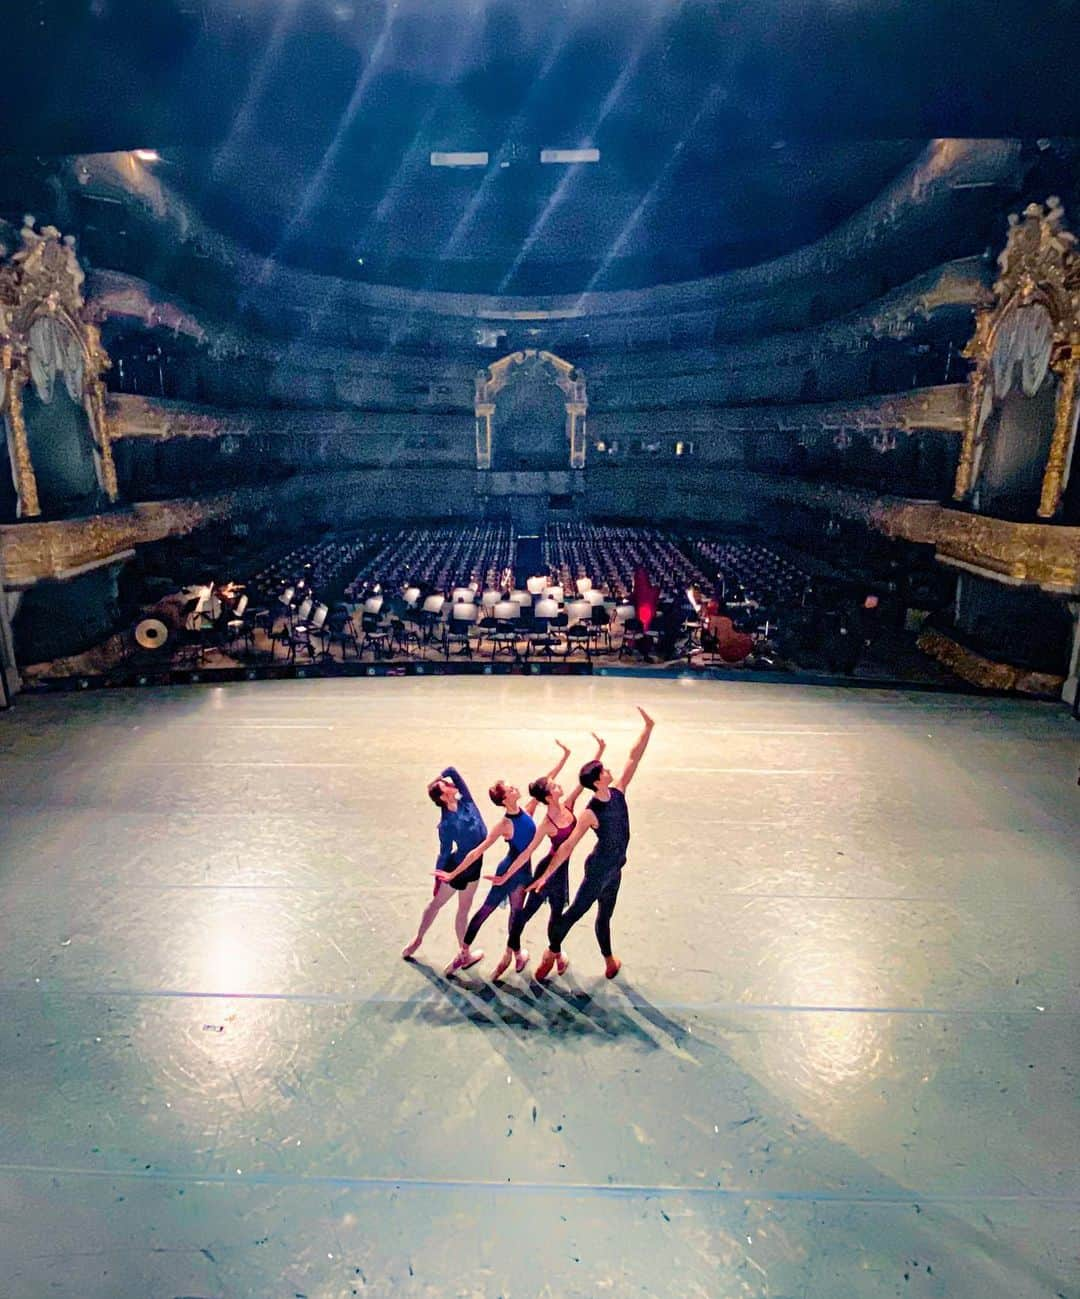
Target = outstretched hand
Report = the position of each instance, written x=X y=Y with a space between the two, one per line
x=562 y=746
x=533 y=887
x=602 y=743
x=650 y=722
x=495 y=879
x=442 y=876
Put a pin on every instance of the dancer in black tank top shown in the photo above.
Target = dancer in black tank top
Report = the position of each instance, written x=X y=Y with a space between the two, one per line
x=608 y=816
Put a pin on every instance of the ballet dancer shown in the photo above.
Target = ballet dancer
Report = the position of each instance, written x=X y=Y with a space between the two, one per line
x=461 y=828
x=518 y=827
x=551 y=885
x=608 y=817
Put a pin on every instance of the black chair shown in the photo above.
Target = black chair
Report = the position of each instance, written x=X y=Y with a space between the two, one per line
x=339 y=629
x=375 y=635
x=578 y=637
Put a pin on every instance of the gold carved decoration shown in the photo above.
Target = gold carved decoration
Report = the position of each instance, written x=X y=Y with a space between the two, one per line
x=1039 y=264
x=33 y=552
x=572 y=382
x=988 y=673
x=1046 y=555
x=43 y=278
x=22 y=469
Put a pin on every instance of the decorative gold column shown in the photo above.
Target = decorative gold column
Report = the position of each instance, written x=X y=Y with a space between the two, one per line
x=976 y=389
x=25 y=479
x=484 y=412
x=100 y=427
x=575 y=432
x=1065 y=412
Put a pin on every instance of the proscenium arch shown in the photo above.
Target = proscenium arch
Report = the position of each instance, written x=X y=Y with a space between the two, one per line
x=569 y=379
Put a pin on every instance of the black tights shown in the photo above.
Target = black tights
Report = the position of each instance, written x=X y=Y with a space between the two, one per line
x=517 y=902
x=519 y=919
x=603 y=890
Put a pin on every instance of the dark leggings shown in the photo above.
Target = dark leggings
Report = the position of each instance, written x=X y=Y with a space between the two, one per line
x=602 y=889
x=517 y=902
x=533 y=903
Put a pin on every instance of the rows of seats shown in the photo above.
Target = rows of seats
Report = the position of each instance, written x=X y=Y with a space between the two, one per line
x=608 y=556
x=750 y=571
x=319 y=567
x=439 y=559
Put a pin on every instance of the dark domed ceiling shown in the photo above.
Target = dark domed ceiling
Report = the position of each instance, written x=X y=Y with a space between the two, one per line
x=727 y=133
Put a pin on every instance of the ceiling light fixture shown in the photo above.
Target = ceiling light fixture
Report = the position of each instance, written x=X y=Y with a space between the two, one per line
x=459 y=159
x=569 y=155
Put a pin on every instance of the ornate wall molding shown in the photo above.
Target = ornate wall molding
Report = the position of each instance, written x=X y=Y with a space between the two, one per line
x=491 y=381
x=43 y=281
x=1038 y=267
x=986 y=672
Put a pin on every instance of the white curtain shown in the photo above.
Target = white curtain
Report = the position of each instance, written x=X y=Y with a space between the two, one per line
x=1024 y=341
x=54 y=349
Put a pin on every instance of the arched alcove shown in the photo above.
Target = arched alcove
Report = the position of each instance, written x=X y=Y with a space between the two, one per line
x=518 y=400
x=1018 y=412
x=529 y=425
x=58 y=433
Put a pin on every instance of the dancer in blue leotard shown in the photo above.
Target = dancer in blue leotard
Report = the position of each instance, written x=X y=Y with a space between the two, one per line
x=461 y=828
x=518 y=827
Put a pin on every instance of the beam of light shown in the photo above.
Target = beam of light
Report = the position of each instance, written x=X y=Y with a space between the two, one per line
x=410 y=156
x=223 y=157
x=313 y=190
x=619 y=242
x=565 y=184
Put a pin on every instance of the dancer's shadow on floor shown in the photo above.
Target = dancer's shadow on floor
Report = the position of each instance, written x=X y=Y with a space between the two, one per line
x=560 y=1008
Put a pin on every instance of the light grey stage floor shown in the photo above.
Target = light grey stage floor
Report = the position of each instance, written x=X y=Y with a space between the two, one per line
x=841 y=1060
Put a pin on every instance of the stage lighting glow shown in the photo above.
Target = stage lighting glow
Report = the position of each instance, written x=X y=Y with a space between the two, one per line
x=147 y=155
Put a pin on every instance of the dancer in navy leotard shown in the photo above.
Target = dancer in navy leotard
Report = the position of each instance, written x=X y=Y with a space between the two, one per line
x=608 y=816
x=550 y=884
x=517 y=826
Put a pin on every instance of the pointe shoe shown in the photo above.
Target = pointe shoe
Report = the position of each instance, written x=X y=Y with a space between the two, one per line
x=472 y=959
x=410 y=949
x=544 y=968
x=504 y=964
x=562 y=963
x=612 y=967
x=521 y=959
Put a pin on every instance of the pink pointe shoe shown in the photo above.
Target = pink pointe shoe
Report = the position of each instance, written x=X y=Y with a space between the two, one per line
x=544 y=968
x=410 y=950
x=521 y=959
x=612 y=967
x=504 y=964
x=462 y=962
x=562 y=963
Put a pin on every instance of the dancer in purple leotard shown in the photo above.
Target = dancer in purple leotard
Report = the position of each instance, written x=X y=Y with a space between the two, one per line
x=549 y=884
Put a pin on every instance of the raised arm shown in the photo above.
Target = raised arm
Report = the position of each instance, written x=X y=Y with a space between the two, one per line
x=601 y=745
x=522 y=857
x=501 y=830
x=452 y=773
x=530 y=806
x=636 y=752
x=586 y=821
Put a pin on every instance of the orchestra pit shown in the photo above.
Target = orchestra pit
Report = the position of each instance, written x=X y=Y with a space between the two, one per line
x=641 y=434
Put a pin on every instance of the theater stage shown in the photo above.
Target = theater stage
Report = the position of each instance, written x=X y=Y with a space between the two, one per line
x=841 y=1059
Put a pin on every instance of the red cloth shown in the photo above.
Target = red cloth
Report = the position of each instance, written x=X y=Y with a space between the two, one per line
x=645 y=597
